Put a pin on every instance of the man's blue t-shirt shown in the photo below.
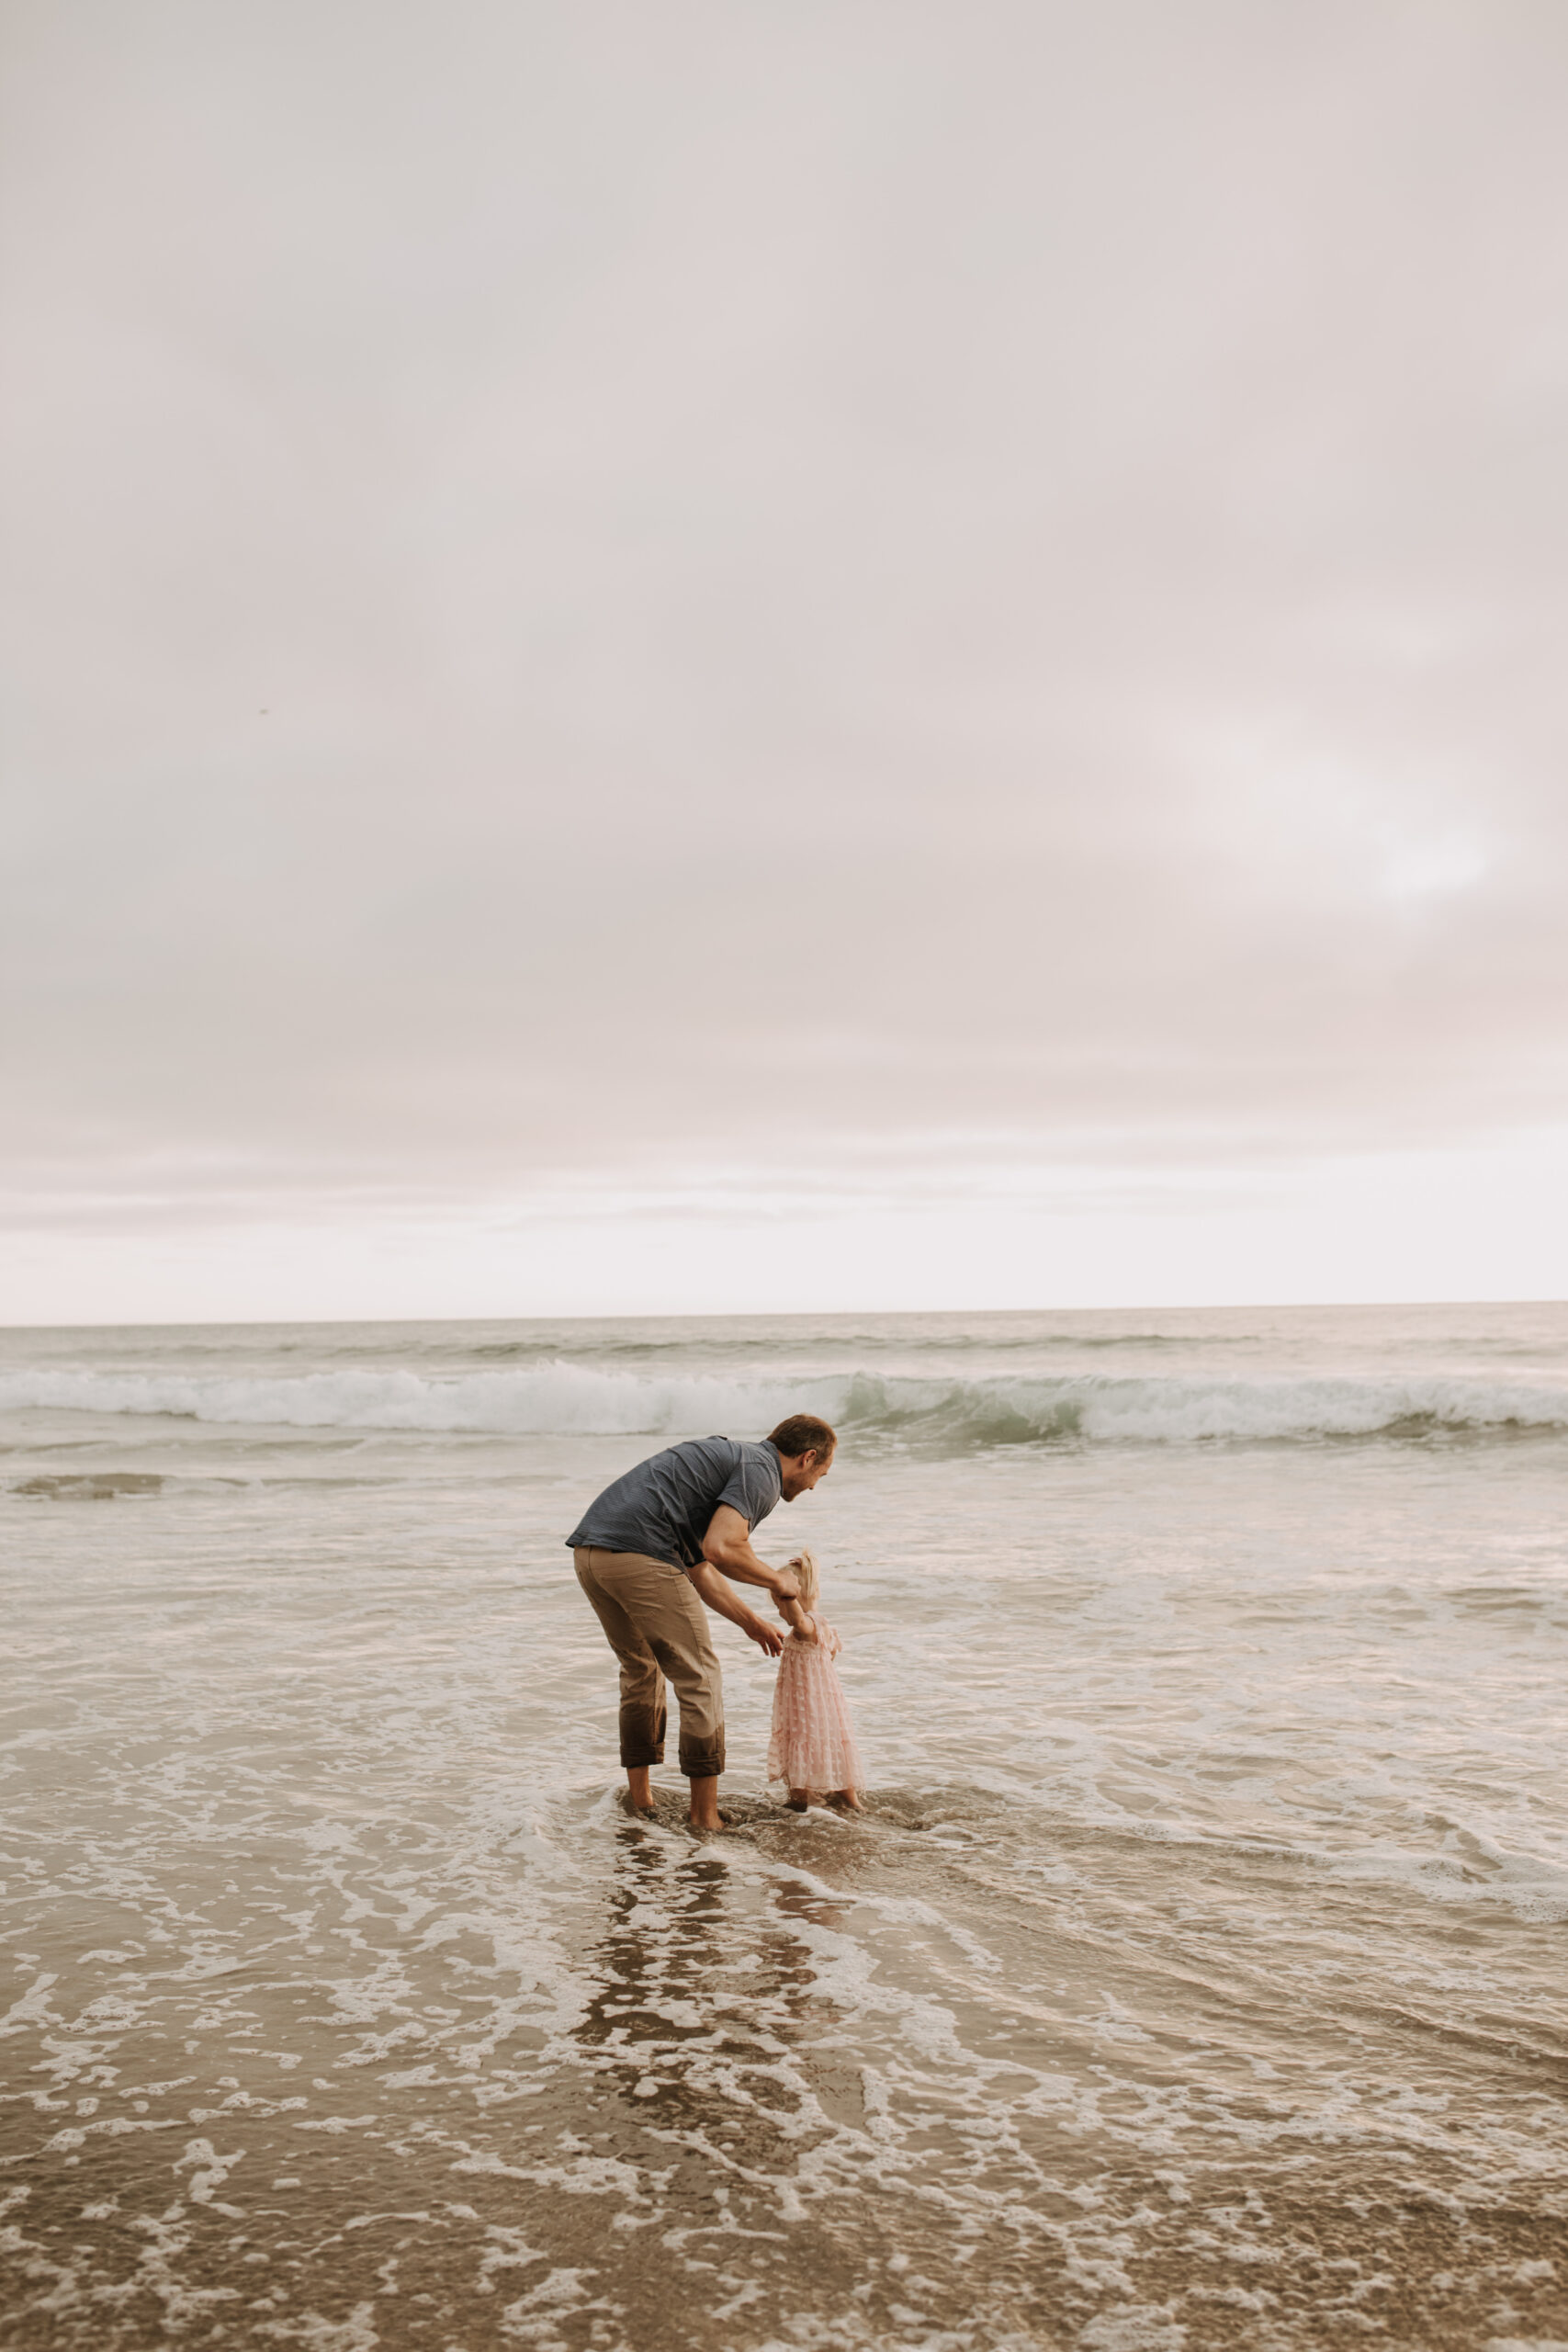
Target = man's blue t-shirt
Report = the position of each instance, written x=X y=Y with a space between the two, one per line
x=665 y=1505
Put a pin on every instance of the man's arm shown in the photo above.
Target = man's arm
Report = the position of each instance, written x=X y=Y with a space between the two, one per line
x=725 y=1602
x=728 y=1546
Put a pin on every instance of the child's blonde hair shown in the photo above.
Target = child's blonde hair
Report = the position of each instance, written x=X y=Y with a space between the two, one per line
x=807 y=1577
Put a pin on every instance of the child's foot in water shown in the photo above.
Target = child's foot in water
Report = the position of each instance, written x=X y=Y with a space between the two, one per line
x=799 y=1800
x=845 y=1800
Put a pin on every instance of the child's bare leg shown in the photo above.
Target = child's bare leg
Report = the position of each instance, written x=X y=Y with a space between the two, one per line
x=847 y=1798
x=800 y=1799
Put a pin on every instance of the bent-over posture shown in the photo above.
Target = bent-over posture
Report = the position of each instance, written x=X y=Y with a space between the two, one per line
x=670 y=1531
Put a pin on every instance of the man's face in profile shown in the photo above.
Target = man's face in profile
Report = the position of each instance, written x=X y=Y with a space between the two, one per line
x=800 y=1472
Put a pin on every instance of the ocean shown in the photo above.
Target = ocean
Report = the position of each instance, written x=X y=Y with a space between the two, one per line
x=1197 y=1975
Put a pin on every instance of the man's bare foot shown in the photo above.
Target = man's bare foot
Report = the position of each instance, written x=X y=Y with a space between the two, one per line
x=705 y=1813
x=845 y=1800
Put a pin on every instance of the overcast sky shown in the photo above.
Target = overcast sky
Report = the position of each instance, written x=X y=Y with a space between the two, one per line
x=773 y=653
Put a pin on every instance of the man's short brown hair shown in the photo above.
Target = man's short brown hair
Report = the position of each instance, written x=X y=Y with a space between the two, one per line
x=803 y=1433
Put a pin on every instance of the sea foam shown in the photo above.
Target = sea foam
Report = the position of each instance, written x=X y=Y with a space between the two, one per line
x=564 y=1398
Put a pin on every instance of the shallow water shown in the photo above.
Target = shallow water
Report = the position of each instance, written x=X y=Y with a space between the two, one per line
x=1196 y=1976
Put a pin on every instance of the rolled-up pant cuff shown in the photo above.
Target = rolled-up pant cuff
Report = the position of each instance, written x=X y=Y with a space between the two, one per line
x=642 y=1737
x=702 y=1759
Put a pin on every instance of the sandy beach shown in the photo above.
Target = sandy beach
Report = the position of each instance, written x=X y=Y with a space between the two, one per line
x=1194 y=1978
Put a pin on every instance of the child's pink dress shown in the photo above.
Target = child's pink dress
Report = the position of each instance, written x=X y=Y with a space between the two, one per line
x=813 y=1744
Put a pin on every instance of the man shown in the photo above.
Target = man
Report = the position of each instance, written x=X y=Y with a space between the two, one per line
x=653 y=1542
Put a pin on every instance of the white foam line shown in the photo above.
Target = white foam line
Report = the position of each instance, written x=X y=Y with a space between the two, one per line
x=567 y=1398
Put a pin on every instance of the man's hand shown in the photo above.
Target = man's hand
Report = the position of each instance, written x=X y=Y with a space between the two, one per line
x=727 y=1602
x=788 y=1584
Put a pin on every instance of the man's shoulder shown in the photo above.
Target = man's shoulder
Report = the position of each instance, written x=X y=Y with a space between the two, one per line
x=726 y=1458
x=710 y=1452
x=757 y=1459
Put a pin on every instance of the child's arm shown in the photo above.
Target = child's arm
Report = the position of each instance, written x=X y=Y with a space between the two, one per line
x=791 y=1613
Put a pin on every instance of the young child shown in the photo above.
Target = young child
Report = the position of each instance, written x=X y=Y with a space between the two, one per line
x=813 y=1744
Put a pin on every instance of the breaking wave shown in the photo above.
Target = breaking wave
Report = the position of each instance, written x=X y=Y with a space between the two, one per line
x=562 y=1398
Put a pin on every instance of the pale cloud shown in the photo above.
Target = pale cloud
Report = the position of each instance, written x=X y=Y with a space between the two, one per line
x=725 y=607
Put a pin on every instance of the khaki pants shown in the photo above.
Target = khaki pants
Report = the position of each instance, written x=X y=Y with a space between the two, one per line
x=656 y=1626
